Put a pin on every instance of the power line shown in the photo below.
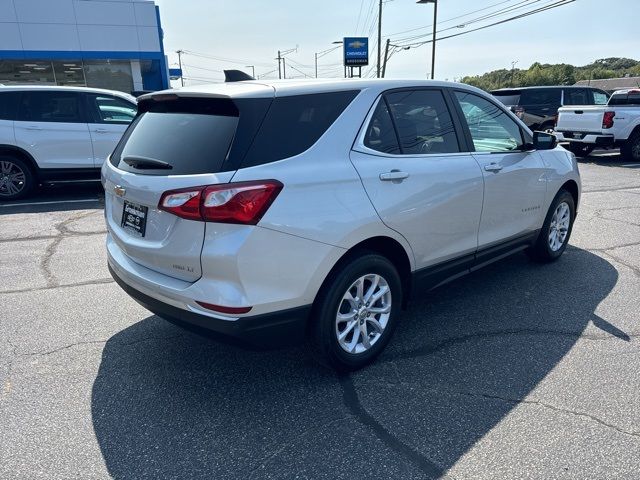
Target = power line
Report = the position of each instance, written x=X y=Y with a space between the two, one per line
x=359 y=16
x=452 y=18
x=558 y=3
x=517 y=6
x=228 y=60
x=202 y=68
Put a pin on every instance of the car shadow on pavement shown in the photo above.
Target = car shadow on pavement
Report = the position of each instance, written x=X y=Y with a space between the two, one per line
x=169 y=404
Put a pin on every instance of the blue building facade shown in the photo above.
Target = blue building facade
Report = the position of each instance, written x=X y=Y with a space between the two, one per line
x=114 y=44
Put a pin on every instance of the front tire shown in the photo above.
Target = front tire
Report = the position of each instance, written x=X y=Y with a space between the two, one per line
x=356 y=312
x=16 y=178
x=556 y=230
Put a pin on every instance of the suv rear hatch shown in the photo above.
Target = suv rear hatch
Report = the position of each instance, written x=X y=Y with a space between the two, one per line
x=176 y=142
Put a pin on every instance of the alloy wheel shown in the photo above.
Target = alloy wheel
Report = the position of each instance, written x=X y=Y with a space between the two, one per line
x=559 y=227
x=12 y=179
x=363 y=313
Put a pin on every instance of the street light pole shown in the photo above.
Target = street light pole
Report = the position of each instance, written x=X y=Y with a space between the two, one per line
x=379 y=36
x=253 y=70
x=324 y=52
x=433 y=41
x=179 y=52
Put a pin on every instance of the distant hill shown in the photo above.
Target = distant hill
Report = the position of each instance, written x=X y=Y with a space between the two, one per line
x=558 y=74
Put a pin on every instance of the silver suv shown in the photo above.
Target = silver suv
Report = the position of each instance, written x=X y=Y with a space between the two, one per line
x=275 y=211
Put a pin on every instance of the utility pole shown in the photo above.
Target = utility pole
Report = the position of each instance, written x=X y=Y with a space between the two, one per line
x=386 y=57
x=379 y=34
x=316 y=64
x=433 y=45
x=180 y=52
x=513 y=69
x=284 y=69
x=279 y=71
x=253 y=70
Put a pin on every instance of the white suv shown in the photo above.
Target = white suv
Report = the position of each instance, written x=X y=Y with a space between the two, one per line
x=57 y=133
x=271 y=211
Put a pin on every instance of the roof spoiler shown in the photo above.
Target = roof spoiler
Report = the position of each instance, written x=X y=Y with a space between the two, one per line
x=236 y=76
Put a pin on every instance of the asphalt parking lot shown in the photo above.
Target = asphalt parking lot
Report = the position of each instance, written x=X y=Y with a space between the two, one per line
x=516 y=371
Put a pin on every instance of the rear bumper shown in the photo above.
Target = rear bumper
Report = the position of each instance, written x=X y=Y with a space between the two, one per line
x=286 y=327
x=596 y=139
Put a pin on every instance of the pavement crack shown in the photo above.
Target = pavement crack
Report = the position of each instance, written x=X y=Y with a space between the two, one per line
x=63 y=231
x=543 y=404
x=354 y=406
x=92 y=342
x=264 y=461
x=101 y=281
x=604 y=190
x=453 y=341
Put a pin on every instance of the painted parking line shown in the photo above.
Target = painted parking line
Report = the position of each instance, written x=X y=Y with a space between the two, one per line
x=55 y=202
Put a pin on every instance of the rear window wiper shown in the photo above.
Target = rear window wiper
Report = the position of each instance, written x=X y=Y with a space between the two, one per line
x=143 y=163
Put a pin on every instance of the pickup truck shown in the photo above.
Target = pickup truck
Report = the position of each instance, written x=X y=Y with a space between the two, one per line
x=615 y=125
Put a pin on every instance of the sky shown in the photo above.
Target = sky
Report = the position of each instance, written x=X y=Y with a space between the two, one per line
x=239 y=33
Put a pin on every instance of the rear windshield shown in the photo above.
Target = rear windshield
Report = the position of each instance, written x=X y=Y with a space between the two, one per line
x=625 y=98
x=190 y=135
x=508 y=98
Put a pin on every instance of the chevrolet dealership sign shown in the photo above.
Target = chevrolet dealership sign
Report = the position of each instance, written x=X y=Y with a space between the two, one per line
x=356 y=51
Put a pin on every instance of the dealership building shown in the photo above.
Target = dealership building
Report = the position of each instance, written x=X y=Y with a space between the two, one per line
x=114 y=44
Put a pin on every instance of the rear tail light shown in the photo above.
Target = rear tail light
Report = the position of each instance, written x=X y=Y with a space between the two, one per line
x=519 y=112
x=242 y=202
x=607 y=119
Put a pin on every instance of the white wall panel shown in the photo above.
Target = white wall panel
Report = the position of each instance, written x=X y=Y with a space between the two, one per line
x=108 y=38
x=104 y=13
x=10 y=36
x=145 y=14
x=40 y=36
x=45 y=11
x=7 y=12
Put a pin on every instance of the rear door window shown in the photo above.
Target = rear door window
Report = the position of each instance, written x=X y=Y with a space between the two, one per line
x=423 y=121
x=53 y=106
x=294 y=123
x=576 y=96
x=541 y=96
x=9 y=105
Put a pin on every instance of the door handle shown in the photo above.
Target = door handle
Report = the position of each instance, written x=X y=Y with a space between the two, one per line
x=394 y=176
x=493 y=167
x=33 y=127
x=101 y=130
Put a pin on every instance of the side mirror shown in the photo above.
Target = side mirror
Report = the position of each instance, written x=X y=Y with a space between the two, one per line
x=544 y=141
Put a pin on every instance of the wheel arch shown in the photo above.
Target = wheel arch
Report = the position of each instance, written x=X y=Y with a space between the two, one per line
x=389 y=248
x=572 y=187
x=12 y=150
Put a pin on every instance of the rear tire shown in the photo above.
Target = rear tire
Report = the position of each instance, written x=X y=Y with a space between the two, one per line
x=630 y=150
x=356 y=312
x=580 y=150
x=16 y=178
x=556 y=230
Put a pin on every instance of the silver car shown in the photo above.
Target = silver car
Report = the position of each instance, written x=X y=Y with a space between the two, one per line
x=279 y=211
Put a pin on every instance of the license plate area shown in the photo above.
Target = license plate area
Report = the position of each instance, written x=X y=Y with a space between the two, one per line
x=134 y=218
